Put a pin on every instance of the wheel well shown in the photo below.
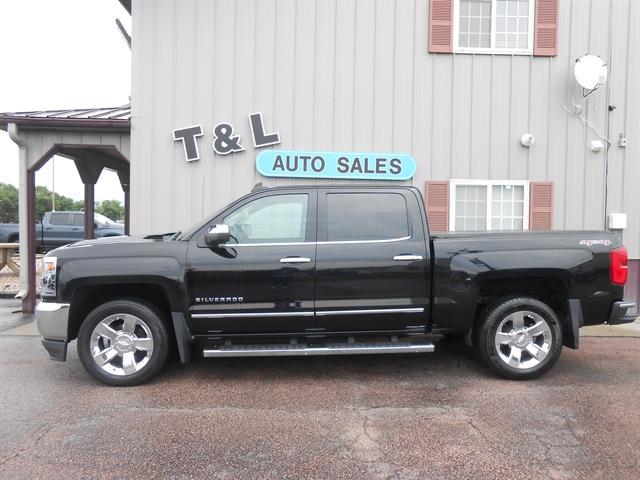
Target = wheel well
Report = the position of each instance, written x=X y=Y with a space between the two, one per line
x=550 y=290
x=13 y=238
x=86 y=299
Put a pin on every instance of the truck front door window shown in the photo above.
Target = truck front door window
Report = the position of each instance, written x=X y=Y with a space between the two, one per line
x=273 y=219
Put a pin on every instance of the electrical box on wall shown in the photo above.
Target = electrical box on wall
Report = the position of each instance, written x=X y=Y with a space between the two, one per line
x=617 y=221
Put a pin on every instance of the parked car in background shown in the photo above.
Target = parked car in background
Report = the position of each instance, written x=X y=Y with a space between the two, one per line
x=62 y=228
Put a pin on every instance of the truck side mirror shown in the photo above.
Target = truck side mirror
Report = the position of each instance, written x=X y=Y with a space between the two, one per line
x=217 y=235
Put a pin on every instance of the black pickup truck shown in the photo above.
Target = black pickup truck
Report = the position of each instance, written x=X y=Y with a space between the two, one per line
x=324 y=270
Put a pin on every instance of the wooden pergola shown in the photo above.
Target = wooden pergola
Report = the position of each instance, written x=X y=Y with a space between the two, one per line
x=94 y=139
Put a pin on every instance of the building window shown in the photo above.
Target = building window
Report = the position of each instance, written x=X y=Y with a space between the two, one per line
x=493 y=26
x=478 y=205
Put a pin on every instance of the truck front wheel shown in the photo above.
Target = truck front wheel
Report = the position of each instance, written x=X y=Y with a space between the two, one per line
x=123 y=342
x=519 y=338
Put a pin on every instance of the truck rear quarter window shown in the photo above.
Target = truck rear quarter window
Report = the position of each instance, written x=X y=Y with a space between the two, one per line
x=60 y=219
x=366 y=216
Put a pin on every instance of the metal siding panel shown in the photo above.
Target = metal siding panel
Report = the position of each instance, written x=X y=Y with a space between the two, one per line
x=577 y=137
x=500 y=122
x=284 y=92
x=383 y=76
x=403 y=78
x=519 y=117
x=441 y=101
x=560 y=85
x=364 y=71
x=324 y=93
x=461 y=108
x=266 y=25
x=304 y=73
x=142 y=139
x=224 y=50
x=242 y=163
x=199 y=200
x=174 y=185
x=539 y=106
x=422 y=95
x=344 y=75
x=481 y=104
x=596 y=113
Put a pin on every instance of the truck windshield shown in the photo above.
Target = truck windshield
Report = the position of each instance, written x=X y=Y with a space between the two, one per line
x=104 y=220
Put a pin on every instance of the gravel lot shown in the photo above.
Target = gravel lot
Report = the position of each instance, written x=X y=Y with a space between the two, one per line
x=421 y=416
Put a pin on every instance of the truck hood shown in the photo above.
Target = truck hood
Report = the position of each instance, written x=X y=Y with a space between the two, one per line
x=119 y=240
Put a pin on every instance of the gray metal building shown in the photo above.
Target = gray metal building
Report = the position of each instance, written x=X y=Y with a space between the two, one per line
x=362 y=76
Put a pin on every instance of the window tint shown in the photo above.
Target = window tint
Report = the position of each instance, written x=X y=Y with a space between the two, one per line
x=59 y=219
x=79 y=219
x=366 y=216
x=278 y=218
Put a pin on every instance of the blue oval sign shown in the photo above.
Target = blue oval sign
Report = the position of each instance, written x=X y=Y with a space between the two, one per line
x=341 y=165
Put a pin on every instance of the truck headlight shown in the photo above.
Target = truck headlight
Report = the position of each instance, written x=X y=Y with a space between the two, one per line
x=49 y=265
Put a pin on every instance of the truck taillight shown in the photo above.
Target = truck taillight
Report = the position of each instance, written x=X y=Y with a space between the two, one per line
x=618 y=269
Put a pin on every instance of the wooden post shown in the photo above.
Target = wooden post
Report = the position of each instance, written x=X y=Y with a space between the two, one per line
x=124 y=182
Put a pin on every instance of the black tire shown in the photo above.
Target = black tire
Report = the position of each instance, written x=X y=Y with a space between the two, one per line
x=500 y=359
x=155 y=325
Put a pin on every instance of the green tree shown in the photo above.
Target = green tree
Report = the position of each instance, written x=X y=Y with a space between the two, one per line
x=112 y=209
x=44 y=202
x=8 y=203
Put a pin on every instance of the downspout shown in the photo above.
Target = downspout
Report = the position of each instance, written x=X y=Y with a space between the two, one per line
x=12 y=130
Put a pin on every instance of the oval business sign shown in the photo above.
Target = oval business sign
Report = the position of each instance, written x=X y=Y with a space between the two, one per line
x=340 y=165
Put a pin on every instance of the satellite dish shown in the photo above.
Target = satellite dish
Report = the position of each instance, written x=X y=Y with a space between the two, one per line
x=590 y=71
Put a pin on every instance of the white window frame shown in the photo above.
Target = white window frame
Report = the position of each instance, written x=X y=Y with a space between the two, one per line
x=488 y=184
x=492 y=50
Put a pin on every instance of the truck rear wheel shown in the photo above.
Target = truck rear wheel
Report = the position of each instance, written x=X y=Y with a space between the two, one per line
x=519 y=338
x=123 y=342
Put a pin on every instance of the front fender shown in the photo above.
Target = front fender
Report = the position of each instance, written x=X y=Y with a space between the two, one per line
x=164 y=272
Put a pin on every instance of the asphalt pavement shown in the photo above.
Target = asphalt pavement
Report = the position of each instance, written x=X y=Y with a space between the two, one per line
x=420 y=416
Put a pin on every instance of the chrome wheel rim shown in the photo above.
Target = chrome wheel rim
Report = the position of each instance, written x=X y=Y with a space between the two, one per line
x=121 y=344
x=523 y=340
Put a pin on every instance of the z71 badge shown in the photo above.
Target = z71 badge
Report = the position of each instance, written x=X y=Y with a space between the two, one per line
x=219 y=299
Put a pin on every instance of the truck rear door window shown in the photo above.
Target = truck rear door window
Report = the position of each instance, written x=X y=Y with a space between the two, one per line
x=366 y=216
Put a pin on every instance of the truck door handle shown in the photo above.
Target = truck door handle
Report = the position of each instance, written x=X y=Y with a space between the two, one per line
x=75 y=229
x=295 y=260
x=407 y=258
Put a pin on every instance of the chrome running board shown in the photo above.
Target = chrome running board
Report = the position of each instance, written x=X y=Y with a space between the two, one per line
x=286 y=350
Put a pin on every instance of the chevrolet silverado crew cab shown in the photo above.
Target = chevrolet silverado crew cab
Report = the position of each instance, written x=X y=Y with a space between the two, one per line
x=327 y=270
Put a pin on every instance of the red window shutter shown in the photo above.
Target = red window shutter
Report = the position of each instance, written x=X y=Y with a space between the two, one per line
x=437 y=205
x=545 y=40
x=541 y=206
x=441 y=26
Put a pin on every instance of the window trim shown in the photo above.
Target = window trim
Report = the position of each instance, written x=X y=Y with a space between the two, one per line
x=492 y=50
x=488 y=183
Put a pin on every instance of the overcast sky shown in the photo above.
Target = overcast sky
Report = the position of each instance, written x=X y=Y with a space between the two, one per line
x=62 y=54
